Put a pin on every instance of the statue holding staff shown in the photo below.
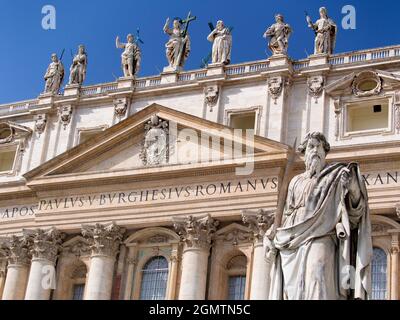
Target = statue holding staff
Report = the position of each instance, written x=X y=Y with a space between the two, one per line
x=54 y=75
x=178 y=46
x=130 y=58
x=222 y=43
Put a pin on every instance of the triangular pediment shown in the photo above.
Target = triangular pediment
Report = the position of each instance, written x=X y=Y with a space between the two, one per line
x=346 y=85
x=121 y=147
x=11 y=131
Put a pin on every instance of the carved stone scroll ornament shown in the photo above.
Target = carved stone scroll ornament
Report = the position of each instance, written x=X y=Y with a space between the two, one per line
x=338 y=112
x=104 y=240
x=40 y=123
x=211 y=95
x=196 y=232
x=155 y=148
x=315 y=86
x=7 y=133
x=367 y=83
x=65 y=114
x=275 y=87
x=120 y=107
x=398 y=210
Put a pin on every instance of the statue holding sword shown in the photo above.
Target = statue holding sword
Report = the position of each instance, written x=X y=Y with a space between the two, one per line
x=320 y=245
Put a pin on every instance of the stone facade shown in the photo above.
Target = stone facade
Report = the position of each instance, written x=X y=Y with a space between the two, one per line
x=80 y=200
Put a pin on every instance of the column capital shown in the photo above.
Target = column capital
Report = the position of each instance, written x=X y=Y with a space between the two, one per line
x=104 y=240
x=17 y=250
x=46 y=243
x=259 y=222
x=196 y=232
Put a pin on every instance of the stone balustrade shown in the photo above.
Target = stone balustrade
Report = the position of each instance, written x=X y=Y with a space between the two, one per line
x=232 y=71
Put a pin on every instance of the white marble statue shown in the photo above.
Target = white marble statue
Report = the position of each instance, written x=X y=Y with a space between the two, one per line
x=54 y=75
x=325 y=31
x=131 y=57
x=325 y=232
x=222 y=43
x=78 y=67
x=178 y=46
x=279 y=34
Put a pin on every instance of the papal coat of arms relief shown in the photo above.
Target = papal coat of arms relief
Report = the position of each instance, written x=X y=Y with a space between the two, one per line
x=155 y=147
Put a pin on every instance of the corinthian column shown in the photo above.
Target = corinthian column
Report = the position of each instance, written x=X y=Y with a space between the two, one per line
x=18 y=267
x=196 y=234
x=104 y=242
x=46 y=244
x=259 y=223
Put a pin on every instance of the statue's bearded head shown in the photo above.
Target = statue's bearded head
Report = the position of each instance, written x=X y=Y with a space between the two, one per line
x=220 y=25
x=54 y=57
x=315 y=148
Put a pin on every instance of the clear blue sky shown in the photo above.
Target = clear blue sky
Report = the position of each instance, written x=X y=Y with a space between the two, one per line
x=25 y=48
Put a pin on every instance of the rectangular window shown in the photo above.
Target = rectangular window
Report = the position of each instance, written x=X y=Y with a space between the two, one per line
x=236 y=285
x=243 y=120
x=7 y=158
x=368 y=116
x=78 y=292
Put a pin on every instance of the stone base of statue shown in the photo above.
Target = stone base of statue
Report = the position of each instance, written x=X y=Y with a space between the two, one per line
x=170 y=74
x=214 y=69
x=318 y=59
x=72 y=90
x=278 y=60
x=169 y=69
x=46 y=98
x=126 y=82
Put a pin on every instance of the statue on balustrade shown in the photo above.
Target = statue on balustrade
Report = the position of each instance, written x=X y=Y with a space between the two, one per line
x=178 y=46
x=78 y=67
x=325 y=32
x=222 y=43
x=279 y=34
x=131 y=56
x=321 y=249
x=54 y=76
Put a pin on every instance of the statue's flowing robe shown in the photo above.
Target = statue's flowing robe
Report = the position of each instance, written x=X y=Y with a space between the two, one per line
x=325 y=40
x=279 y=33
x=54 y=77
x=177 y=48
x=131 y=57
x=222 y=46
x=314 y=244
x=78 y=69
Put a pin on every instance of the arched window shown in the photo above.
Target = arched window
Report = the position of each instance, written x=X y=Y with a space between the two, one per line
x=154 y=279
x=379 y=275
x=236 y=269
